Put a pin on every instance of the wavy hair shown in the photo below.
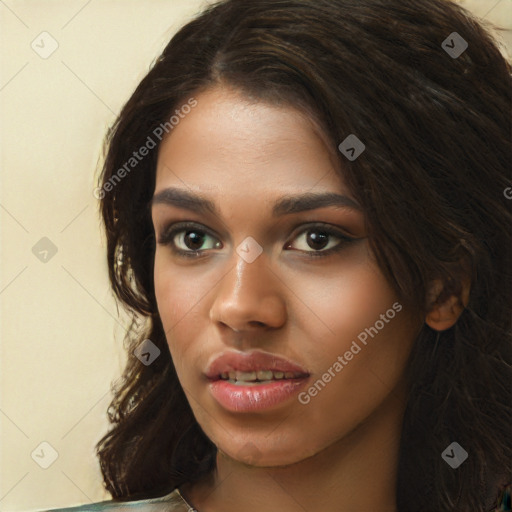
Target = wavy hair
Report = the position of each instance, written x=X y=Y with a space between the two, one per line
x=431 y=182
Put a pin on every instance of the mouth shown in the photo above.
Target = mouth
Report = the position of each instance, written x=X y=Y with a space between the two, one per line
x=253 y=367
x=254 y=382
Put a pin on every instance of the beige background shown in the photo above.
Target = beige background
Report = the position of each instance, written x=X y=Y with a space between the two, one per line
x=60 y=332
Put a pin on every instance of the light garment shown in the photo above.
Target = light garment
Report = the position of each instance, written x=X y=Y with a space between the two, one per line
x=173 y=502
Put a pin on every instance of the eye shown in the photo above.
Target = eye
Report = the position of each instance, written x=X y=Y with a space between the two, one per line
x=322 y=240
x=188 y=239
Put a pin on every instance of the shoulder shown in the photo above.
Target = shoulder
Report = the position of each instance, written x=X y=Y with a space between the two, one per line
x=170 y=503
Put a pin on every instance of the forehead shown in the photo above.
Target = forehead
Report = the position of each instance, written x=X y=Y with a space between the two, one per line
x=232 y=143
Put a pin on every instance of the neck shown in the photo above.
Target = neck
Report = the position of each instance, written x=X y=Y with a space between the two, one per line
x=355 y=473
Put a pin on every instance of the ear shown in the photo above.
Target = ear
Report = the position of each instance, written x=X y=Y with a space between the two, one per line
x=444 y=313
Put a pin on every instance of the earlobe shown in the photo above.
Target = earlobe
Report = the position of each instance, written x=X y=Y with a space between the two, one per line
x=444 y=315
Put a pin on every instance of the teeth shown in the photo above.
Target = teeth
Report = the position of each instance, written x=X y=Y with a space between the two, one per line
x=264 y=375
x=256 y=377
x=246 y=376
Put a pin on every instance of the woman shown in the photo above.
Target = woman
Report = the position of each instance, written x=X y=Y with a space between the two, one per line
x=307 y=215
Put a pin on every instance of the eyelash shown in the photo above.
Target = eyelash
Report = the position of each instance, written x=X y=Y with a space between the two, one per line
x=167 y=237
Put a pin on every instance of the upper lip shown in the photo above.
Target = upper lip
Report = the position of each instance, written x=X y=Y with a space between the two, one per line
x=251 y=362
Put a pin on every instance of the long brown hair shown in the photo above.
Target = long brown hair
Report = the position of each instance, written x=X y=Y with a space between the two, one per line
x=431 y=182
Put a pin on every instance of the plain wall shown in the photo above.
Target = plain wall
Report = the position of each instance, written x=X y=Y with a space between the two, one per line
x=60 y=330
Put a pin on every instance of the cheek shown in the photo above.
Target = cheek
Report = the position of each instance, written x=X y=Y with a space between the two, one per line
x=177 y=299
x=372 y=337
x=348 y=302
x=177 y=291
x=181 y=294
x=167 y=290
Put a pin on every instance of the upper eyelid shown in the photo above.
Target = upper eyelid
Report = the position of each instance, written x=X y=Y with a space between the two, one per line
x=177 y=227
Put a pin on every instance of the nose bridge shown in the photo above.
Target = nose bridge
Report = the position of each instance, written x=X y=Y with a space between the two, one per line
x=249 y=294
x=251 y=276
x=249 y=282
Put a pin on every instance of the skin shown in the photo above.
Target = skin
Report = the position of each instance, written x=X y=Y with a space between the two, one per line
x=340 y=450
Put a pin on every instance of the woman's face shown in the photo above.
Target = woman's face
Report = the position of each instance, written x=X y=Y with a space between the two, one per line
x=269 y=255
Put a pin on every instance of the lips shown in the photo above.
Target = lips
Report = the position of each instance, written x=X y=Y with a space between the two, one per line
x=255 y=366
x=254 y=382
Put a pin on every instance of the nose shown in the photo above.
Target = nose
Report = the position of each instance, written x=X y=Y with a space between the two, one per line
x=249 y=298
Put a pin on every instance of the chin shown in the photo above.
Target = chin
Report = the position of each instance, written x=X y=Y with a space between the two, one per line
x=261 y=455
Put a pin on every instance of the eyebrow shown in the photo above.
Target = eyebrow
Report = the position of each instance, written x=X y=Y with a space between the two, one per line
x=284 y=206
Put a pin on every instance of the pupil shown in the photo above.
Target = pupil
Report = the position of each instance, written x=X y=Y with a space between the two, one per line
x=317 y=237
x=193 y=238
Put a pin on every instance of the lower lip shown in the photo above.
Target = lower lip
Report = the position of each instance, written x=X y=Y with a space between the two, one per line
x=254 y=398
